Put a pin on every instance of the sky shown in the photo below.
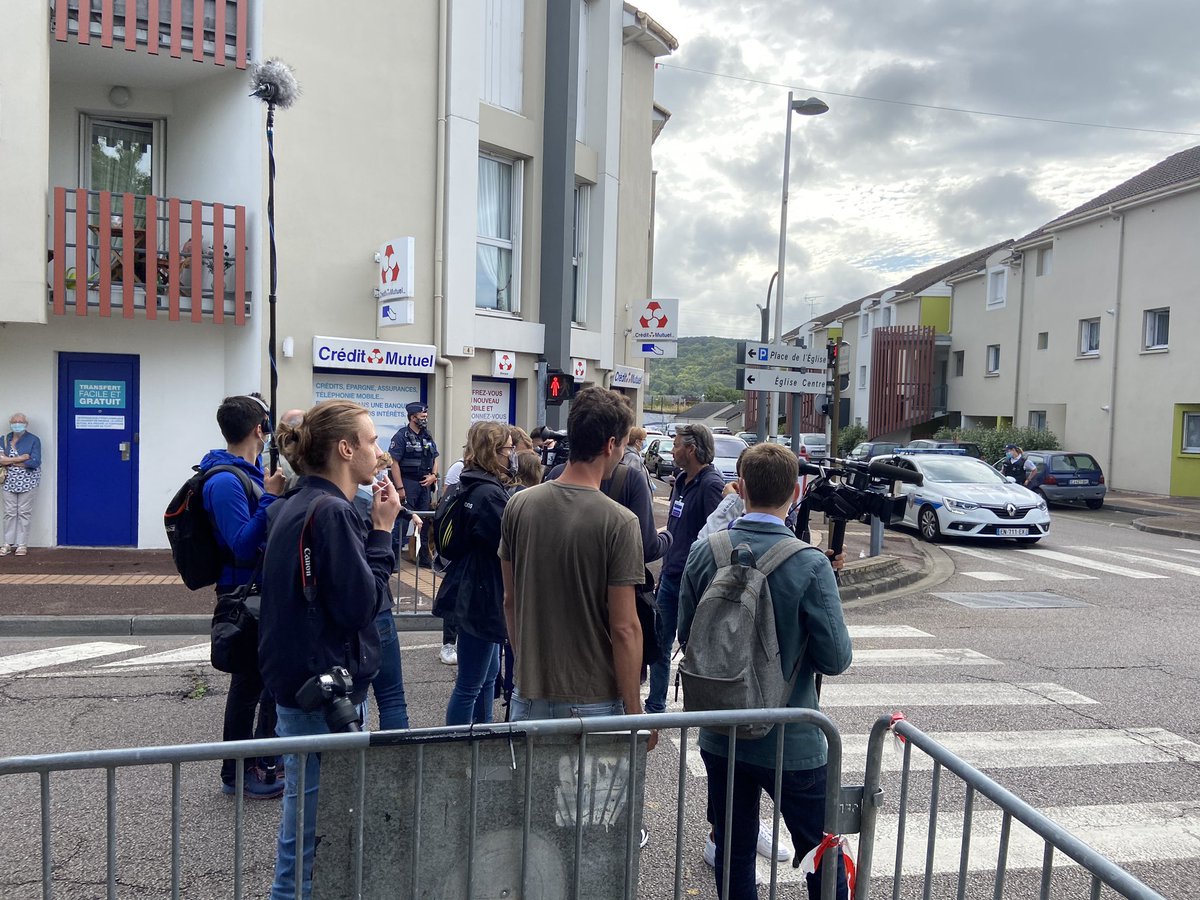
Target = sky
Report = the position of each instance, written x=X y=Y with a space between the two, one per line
x=880 y=189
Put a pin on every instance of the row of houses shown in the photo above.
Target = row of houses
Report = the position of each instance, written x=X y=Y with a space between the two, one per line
x=463 y=198
x=1086 y=326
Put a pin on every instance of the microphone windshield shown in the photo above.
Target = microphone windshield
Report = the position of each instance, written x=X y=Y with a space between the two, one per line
x=273 y=82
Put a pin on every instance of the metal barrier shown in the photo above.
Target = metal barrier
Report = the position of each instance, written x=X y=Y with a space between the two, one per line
x=1103 y=871
x=351 y=865
x=414 y=586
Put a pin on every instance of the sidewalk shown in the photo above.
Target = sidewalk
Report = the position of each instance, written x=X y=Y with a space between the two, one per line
x=67 y=591
x=1173 y=516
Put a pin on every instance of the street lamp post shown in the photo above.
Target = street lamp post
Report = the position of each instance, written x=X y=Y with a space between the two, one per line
x=810 y=107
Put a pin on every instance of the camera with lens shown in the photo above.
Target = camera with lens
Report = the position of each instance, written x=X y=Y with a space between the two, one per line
x=556 y=449
x=330 y=692
x=845 y=489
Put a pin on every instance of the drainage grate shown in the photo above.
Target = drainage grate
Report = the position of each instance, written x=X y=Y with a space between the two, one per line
x=1011 y=600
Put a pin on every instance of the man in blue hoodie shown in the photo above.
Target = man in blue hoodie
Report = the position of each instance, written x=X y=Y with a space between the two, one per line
x=240 y=524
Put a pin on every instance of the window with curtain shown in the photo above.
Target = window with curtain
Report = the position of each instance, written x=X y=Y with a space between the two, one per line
x=120 y=156
x=993 y=360
x=1089 y=337
x=1158 y=329
x=496 y=250
x=583 y=194
x=997 y=287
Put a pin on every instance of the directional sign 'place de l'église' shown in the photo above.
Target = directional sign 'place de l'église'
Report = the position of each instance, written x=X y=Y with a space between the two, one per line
x=781 y=355
x=784 y=382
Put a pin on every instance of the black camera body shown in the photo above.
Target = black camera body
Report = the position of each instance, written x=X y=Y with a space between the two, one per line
x=330 y=691
x=556 y=450
x=862 y=491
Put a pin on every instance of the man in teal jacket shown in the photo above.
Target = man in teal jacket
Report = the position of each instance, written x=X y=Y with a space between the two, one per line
x=811 y=631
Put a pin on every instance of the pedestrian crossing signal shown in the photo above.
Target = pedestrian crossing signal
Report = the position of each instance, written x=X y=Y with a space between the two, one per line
x=558 y=388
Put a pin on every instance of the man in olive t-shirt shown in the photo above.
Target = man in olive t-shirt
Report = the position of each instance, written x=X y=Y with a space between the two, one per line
x=570 y=558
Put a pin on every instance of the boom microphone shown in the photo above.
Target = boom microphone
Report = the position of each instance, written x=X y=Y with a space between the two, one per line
x=274 y=83
x=881 y=469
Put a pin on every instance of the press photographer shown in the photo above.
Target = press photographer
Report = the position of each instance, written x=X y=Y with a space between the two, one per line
x=324 y=577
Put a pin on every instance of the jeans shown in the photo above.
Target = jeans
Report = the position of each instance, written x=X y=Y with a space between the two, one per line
x=293 y=722
x=388 y=685
x=802 y=807
x=474 y=691
x=449 y=632
x=668 y=623
x=246 y=693
x=562 y=709
x=18 y=511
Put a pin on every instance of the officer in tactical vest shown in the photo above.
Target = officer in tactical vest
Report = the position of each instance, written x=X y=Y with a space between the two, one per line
x=414 y=465
x=1018 y=466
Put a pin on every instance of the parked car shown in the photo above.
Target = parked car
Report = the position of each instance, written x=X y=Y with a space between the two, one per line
x=727 y=448
x=868 y=450
x=964 y=496
x=750 y=437
x=721 y=429
x=660 y=461
x=929 y=444
x=1066 y=476
x=811 y=442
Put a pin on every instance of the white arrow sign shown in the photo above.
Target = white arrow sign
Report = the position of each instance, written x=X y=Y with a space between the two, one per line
x=784 y=382
x=779 y=355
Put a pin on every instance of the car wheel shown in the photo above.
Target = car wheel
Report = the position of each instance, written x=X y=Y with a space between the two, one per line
x=1028 y=540
x=1095 y=504
x=928 y=525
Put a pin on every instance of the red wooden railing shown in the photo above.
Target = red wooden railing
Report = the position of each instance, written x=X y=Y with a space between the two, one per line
x=170 y=24
x=103 y=251
x=901 y=378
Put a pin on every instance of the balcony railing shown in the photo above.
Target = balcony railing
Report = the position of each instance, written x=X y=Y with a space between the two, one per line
x=901 y=378
x=169 y=25
x=190 y=260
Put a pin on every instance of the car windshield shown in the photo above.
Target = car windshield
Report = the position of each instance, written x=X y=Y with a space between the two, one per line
x=958 y=470
x=1073 y=462
x=728 y=447
x=813 y=438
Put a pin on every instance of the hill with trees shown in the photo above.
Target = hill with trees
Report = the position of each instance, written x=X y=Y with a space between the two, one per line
x=704 y=371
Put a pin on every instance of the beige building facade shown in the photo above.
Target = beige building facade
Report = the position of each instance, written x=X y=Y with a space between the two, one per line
x=133 y=212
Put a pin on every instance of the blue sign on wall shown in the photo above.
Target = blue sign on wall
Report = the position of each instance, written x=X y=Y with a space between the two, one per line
x=99 y=394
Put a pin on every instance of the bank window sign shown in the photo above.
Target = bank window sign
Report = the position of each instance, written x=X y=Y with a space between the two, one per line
x=372 y=356
x=99 y=394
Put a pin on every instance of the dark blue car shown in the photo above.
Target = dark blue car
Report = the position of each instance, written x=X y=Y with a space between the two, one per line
x=1065 y=476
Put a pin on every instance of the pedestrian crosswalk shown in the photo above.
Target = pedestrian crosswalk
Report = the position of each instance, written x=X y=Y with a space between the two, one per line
x=1071 y=563
x=1154 y=824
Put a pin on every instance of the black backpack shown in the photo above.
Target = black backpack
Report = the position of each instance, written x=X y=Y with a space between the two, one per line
x=197 y=553
x=449 y=524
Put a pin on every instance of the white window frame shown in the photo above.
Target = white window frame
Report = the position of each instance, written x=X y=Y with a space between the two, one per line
x=1151 y=331
x=862 y=377
x=1089 y=328
x=502 y=69
x=1185 y=448
x=1037 y=419
x=989 y=368
x=865 y=328
x=579 y=254
x=516 y=204
x=960 y=363
x=1045 y=261
x=996 y=287
x=158 y=147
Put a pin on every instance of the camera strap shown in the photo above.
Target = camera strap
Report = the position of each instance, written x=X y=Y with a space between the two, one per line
x=308 y=578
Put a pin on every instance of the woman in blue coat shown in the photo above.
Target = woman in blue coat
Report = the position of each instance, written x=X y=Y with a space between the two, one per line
x=21 y=458
x=472 y=593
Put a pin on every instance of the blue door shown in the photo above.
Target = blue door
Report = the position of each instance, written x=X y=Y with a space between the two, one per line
x=98 y=406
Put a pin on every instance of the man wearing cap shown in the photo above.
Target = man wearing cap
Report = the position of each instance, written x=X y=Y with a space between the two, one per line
x=1018 y=466
x=414 y=465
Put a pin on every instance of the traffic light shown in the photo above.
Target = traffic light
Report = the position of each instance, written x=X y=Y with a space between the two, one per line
x=559 y=387
x=831 y=350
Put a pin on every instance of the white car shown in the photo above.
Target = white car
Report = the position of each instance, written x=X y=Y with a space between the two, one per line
x=727 y=448
x=965 y=496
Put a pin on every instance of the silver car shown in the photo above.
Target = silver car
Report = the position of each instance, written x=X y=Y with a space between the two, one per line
x=727 y=448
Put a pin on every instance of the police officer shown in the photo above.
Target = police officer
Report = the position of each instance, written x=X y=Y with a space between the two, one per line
x=414 y=465
x=1018 y=466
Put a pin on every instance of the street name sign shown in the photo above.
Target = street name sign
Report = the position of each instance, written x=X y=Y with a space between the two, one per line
x=780 y=355
x=784 y=382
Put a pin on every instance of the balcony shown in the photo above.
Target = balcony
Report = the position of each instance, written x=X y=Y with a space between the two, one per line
x=902 y=358
x=154 y=25
x=104 y=257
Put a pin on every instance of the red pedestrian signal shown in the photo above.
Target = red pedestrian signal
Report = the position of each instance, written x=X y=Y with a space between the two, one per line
x=558 y=388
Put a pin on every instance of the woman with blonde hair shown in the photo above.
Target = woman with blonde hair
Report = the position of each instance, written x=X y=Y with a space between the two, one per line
x=472 y=594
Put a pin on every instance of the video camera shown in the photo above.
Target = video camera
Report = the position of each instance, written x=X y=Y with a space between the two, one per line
x=556 y=449
x=864 y=490
x=330 y=691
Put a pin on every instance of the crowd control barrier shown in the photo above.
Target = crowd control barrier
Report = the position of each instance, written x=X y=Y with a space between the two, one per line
x=538 y=809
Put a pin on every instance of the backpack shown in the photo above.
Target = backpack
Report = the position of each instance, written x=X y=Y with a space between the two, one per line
x=731 y=660
x=449 y=533
x=198 y=555
x=647 y=608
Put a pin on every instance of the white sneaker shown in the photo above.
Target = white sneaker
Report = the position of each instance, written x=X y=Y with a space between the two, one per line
x=783 y=854
x=5 y=550
x=710 y=857
x=449 y=655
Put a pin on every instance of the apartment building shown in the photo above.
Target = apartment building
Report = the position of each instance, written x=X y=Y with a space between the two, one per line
x=462 y=191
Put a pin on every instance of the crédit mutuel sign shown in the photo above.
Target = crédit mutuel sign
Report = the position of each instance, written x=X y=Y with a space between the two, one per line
x=372 y=356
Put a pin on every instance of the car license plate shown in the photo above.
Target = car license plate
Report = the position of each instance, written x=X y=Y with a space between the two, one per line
x=1080 y=481
x=1012 y=532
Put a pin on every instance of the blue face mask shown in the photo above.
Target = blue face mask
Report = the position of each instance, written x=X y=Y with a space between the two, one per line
x=18 y=427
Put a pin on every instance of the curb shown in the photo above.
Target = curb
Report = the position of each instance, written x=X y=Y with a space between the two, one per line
x=1148 y=525
x=937 y=568
x=150 y=625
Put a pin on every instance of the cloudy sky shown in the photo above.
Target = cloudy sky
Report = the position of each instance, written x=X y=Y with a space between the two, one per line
x=879 y=189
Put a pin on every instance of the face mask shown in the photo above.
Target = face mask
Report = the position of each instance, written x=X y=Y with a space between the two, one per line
x=1012 y=455
x=18 y=427
x=512 y=462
